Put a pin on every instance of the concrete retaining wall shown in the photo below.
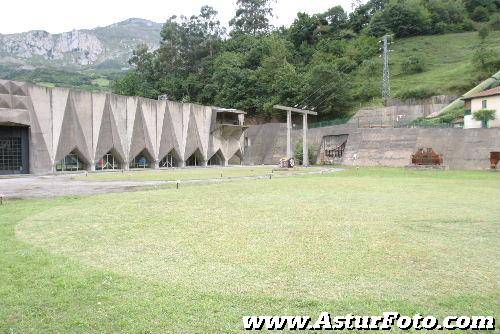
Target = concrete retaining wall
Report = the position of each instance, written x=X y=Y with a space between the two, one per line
x=461 y=148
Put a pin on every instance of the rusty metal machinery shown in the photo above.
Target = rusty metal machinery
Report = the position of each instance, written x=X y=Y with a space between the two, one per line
x=494 y=159
x=426 y=157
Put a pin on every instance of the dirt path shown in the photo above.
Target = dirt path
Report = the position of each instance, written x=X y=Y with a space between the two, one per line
x=64 y=185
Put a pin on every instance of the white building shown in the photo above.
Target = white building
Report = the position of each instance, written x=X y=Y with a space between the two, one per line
x=489 y=99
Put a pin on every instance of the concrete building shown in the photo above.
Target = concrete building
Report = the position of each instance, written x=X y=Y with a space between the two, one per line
x=45 y=130
x=489 y=99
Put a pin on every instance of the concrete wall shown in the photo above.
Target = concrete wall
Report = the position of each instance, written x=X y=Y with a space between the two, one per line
x=461 y=148
x=493 y=103
x=63 y=120
x=400 y=112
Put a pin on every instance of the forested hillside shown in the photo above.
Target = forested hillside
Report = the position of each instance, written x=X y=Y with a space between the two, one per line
x=328 y=61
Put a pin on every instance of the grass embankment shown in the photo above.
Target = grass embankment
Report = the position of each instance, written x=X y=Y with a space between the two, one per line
x=196 y=260
x=447 y=63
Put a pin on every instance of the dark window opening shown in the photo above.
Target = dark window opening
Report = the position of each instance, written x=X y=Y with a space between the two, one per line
x=142 y=160
x=71 y=163
x=217 y=159
x=196 y=159
x=108 y=162
x=170 y=160
x=14 y=148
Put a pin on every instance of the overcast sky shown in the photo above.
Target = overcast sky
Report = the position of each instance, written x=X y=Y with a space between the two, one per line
x=63 y=15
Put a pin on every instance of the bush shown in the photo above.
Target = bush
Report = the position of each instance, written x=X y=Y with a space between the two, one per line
x=445 y=118
x=415 y=93
x=299 y=156
x=480 y=14
x=494 y=22
x=484 y=115
x=412 y=65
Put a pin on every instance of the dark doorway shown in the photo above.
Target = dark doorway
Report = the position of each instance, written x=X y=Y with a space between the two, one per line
x=217 y=159
x=170 y=160
x=196 y=159
x=71 y=163
x=14 y=150
x=142 y=160
x=108 y=162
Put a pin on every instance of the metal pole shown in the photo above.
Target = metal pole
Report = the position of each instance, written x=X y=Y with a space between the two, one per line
x=288 y=134
x=305 y=149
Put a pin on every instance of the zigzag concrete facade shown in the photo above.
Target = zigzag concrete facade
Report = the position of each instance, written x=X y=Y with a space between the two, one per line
x=86 y=126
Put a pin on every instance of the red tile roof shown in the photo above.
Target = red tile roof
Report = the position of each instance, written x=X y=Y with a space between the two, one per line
x=489 y=92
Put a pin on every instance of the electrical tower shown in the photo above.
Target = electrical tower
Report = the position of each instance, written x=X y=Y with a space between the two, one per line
x=386 y=85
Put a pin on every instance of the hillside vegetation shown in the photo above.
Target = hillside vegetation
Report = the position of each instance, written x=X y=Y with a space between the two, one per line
x=447 y=63
x=328 y=61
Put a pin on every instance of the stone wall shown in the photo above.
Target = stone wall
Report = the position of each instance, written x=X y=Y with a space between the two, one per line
x=387 y=146
x=461 y=148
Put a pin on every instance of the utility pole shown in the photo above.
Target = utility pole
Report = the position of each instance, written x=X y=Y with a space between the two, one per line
x=386 y=85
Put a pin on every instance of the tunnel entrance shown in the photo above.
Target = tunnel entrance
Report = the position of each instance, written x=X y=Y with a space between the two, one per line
x=14 y=150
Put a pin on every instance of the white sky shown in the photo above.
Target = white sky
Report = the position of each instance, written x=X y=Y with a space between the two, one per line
x=57 y=16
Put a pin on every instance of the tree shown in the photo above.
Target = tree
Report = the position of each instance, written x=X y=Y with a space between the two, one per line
x=485 y=59
x=361 y=16
x=408 y=18
x=480 y=14
x=484 y=115
x=252 y=17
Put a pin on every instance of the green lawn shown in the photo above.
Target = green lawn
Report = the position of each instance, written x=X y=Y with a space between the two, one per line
x=191 y=173
x=196 y=260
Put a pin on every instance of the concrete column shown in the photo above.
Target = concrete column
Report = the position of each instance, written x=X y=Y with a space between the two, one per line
x=305 y=149
x=288 y=134
x=182 y=163
x=156 y=164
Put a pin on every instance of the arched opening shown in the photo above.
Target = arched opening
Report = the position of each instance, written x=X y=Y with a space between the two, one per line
x=196 y=159
x=142 y=160
x=170 y=160
x=236 y=159
x=108 y=162
x=71 y=163
x=217 y=159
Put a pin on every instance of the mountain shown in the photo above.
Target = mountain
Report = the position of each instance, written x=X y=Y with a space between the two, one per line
x=79 y=48
x=86 y=58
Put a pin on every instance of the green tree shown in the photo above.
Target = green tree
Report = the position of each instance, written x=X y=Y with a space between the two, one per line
x=252 y=17
x=485 y=59
x=407 y=18
x=480 y=14
x=484 y=116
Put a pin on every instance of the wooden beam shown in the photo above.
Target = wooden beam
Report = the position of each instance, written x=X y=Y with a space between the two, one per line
x=301 y=111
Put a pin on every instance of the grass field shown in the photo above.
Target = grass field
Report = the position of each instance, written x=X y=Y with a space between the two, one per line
x=196 y=260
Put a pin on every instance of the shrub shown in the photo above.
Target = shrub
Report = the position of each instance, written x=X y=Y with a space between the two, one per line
x=494 y=22
x=299 y=154
x=484 y=115
x=412 y=65
x=480 y=14
x=445 y=118
x=415 y=93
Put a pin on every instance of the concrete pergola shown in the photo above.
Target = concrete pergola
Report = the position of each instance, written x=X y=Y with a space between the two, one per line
x=305 y=149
